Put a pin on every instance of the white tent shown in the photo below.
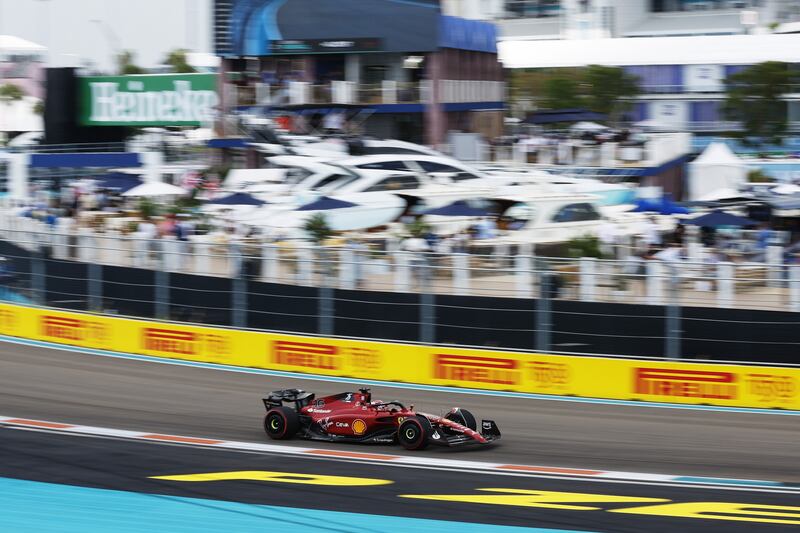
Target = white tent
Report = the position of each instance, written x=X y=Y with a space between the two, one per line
x=716 y=168
x=156 y=188
x=19 y=115
x=588 y=126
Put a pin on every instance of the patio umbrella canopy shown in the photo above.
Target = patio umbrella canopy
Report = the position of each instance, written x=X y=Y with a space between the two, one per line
x=325 y=203
x=156 y=188
x=118 y=180
x=663 y=206
x=459 y=208
x=552 y=116
x=716 y=219
x=588 y=126
x=238 y=198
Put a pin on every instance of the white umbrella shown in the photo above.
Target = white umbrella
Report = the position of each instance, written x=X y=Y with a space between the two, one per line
x=588 y=126
x=787 y=188
x=155 y=188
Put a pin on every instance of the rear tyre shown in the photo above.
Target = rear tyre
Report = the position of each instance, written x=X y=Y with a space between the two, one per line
x=413 y=433
x=463 y=417
x=281 y=423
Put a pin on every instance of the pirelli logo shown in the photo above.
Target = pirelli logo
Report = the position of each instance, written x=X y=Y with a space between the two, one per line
x=476 y=369
x=307 y=355
x=170 y=341
x=685 y=383
x=71 y=329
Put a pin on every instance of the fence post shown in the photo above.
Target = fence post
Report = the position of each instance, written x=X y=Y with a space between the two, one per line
x=427 y=316
x=239 y=302
x=38 y=275
x=305 y=263
x=325 y=309
x=269 y=261
x=544 y=322
x=461 y=281
x=672 y=325
x=86 y=252
x=774 y=260
x=725 y=284
x=588 y=278
x=235 y=259
x=655 y=282
x=347 y=268
x=141 y=250
x=201 y=251
x=794 y=288
x=523 y=276
x=161 y=285
x=402 y=278
x=169 y=249
x=95 y=286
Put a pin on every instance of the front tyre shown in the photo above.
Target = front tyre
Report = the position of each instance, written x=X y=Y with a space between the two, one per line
x=413 y=433
x=281 y=423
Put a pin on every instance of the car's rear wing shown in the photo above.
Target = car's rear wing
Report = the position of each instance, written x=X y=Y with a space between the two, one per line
x=277 y=398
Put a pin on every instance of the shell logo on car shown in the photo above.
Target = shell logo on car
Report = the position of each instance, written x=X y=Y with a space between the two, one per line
x=359 y=426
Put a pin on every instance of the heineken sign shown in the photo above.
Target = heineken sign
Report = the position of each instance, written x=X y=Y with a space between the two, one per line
x=148 y=100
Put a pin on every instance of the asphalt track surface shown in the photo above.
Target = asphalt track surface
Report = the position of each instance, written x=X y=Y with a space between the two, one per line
x=76 y=388
x=125 y=467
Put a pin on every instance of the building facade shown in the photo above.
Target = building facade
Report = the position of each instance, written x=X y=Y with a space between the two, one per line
x=417 y=71
x=681 y=50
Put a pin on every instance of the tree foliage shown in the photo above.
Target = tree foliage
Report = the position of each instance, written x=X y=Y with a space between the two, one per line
x=11 y=92
x=126 y=65
x=754 y=98
x=177 y=60
x=598 y=88
x=317 y=226
x=561 y=93
x=609 y=90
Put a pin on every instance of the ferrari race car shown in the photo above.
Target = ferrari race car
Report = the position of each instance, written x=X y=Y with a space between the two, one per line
x=355 y=417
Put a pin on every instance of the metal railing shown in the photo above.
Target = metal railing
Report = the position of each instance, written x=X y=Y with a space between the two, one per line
x=453 y=298
x=755 y=278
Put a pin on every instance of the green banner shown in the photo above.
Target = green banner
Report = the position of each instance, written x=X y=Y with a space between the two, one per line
x=148 y=100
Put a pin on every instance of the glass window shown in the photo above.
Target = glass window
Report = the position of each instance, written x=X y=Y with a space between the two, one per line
x=458 y=173
x=395 y=183
x=576 y=213
x=295 y=175
x=383 y=150
x=384 y=165
x=430 y=166
x=334 y=181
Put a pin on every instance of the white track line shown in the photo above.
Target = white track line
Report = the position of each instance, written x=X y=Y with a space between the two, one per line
x=400 y=460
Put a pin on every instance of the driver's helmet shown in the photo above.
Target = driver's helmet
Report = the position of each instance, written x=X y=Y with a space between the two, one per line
x=366 y=395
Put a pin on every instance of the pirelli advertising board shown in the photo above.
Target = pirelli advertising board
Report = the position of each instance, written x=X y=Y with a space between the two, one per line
x=593 y=377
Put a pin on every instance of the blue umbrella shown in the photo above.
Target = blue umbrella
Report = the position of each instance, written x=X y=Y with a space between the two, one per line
x=643 y=205
x=458 y=208
x=669 y=207
x=239 y=198
x=325 y=203
x=662 y=206
x=118 y=180
x=716 y=219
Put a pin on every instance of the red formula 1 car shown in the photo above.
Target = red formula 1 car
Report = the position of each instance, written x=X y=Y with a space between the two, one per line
x=355 y=417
